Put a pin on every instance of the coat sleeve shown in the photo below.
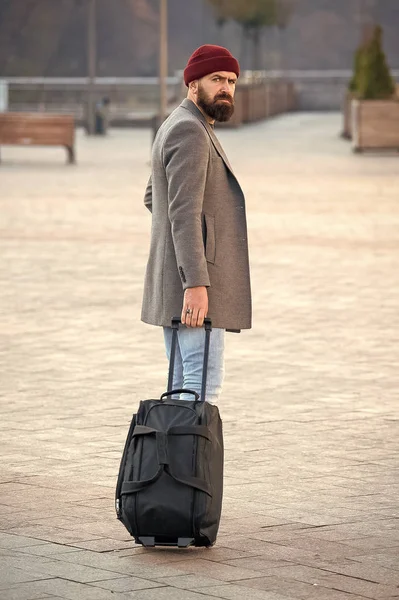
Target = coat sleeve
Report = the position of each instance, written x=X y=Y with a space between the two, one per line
x=186 y=157
x=148 y=195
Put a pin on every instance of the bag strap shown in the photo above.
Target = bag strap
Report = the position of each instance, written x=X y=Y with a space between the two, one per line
x=200 y=430
x=131 y=487
x=143 y=430
x=195 y=482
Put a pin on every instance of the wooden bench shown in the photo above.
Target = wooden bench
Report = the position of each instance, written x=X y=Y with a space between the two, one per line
x=38 y=129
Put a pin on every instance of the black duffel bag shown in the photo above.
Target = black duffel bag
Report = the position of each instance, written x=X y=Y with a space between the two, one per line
x=170 y=483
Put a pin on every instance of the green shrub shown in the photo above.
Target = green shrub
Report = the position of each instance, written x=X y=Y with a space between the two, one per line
x=354 y=82
x=373 y=80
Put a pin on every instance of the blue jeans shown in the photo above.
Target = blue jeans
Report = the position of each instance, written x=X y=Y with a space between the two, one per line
x=189 y=361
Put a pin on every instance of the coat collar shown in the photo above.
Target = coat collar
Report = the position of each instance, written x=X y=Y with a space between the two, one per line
x=193 y=108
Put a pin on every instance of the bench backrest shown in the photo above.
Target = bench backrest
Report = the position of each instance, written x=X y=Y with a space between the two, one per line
x=37 y=128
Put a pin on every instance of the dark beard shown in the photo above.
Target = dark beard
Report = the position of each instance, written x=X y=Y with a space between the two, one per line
x=220 y=111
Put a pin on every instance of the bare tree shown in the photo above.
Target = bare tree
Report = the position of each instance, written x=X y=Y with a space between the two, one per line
x=284 y=10
x=252 y=15
x=222 y=12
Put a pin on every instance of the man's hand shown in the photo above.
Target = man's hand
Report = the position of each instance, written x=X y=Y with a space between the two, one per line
x=196 y=301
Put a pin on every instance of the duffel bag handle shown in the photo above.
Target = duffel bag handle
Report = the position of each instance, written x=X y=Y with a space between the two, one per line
x=181 y=391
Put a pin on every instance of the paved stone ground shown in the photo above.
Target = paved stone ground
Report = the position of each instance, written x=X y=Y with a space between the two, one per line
x=310 y=405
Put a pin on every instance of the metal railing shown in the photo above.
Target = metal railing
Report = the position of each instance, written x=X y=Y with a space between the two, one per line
x=137 y=98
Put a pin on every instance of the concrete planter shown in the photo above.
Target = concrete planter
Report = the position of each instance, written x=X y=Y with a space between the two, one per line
x=375 y=125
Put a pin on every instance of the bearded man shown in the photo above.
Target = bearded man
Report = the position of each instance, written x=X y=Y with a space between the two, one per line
x=198 y=263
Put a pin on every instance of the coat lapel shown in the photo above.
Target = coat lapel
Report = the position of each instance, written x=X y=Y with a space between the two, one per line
x=189 y=105
x=218 y=146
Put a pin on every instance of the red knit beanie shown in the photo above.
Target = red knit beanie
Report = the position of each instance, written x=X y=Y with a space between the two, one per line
x=208 y=59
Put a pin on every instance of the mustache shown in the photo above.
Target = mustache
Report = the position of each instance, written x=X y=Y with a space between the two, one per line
x=224 y=96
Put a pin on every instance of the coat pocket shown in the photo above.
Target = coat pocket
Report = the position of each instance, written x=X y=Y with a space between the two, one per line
x=210 y=241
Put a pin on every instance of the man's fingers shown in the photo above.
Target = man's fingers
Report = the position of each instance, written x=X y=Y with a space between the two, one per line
x=183 y=315
x=186 y=316
x=201 y=317
x=194 y=317
x=189 y=317
x=198 y=316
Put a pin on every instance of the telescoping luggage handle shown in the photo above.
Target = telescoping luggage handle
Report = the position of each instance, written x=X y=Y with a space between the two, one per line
x=176 y=322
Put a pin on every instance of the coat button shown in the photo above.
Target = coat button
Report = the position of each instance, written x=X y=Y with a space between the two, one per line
x=182 y=275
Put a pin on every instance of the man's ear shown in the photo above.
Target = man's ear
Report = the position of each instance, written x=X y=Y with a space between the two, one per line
x=194 y=86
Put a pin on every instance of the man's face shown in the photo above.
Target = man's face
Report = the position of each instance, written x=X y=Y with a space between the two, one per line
x=215 y=95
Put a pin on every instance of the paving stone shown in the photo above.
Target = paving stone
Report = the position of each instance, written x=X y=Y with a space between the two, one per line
x=158 y=555
x=297 y=589
x=219 y=571
x=325 y=578
x=189 y=582
x=220 y=554
x=139 y=566
x=274 y=552
x=14 y=541
x=79 y=573
x=62 y=588
x=386 y=558
x=127 y=584
x=240 y=592
x=166 y=593
x=104 y=545
x=10 y=576
x=25 y=593
x=50 y=598
x=321 y=548
x=52 y=534
x=368 y=572
x=47 y=549
x=362 y=587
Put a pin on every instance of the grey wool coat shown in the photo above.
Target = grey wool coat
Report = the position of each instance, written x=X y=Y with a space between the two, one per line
x=199 y=229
